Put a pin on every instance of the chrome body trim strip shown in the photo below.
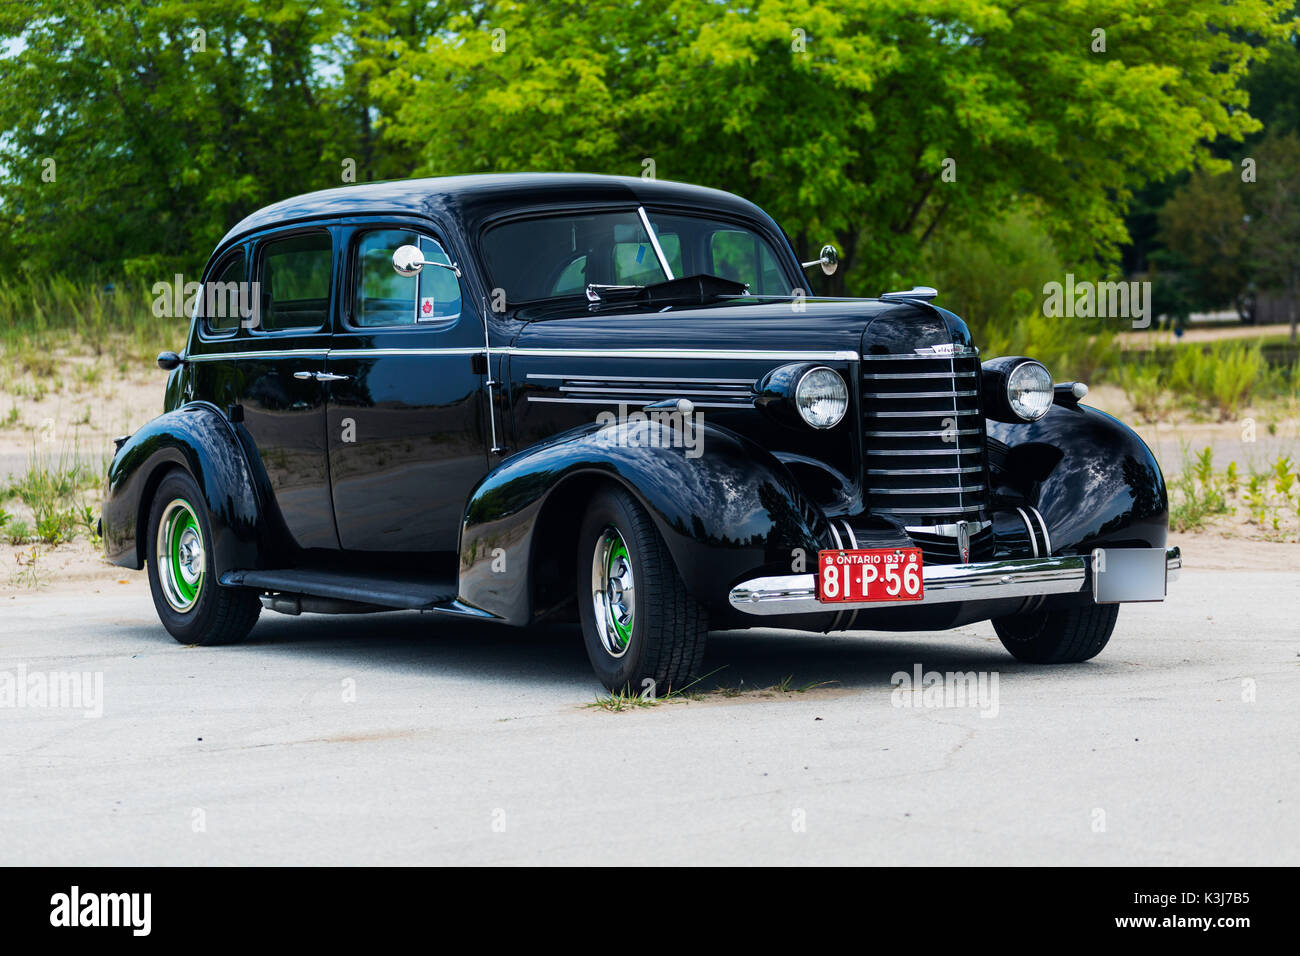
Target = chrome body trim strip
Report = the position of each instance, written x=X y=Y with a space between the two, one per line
x=616 y=390
x=631 y=400
x=1033 y=538
x=747 y=382
x=755 y=354
x=367 y=353
x=853 y=540
x=1047 y=538
x=264 y=354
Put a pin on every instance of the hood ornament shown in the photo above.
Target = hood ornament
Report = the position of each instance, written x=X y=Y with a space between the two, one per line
x=916 y=292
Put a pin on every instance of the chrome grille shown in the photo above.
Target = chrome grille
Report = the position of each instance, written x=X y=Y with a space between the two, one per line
x=923 y=438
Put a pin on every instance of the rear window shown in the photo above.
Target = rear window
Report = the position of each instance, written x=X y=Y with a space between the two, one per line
x=226 y=295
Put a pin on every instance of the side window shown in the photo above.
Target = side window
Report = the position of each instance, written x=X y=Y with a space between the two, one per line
x=385 y=299
x=296 y=282
x=740 y=255
x=226 y=295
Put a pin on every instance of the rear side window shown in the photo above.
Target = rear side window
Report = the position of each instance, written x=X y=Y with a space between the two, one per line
x=222 y=304
x=385 y=299
x=296 y=282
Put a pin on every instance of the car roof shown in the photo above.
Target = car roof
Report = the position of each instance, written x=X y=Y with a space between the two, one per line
x=470 y=200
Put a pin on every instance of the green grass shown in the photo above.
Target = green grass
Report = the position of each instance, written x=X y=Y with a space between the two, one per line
x=627 y=699
x=40 y=318
x=1270 y=499
x=53 y=491
x=1219 y=380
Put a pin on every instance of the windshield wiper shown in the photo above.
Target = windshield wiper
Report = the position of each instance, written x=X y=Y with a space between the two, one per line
x=597 y=291
x=701 y=288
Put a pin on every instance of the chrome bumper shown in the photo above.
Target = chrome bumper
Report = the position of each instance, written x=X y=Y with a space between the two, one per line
x=987 y=581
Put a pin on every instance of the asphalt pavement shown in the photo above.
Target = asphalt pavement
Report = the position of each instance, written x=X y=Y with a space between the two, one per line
x=393 y=739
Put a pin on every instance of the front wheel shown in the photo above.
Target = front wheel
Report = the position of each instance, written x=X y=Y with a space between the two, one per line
x=193 y=607
x=1063 y=636
x=639 y=623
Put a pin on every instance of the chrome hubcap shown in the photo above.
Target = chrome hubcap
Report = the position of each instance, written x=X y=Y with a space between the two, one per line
x=181 y=559
x=613 y=592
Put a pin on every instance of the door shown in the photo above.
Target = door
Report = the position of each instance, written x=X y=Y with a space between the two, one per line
x=277 y=361
x=406 y=405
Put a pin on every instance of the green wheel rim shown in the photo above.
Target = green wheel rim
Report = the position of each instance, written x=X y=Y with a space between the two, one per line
x=181 y=555
x=613 y=592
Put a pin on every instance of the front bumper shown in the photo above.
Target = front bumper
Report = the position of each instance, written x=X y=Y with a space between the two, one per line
x=1144 y=579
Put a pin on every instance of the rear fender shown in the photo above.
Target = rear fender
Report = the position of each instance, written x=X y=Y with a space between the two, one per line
x=198 y=439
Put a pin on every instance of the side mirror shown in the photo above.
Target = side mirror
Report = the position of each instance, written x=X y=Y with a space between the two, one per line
x=829 y=261
x=409 y=260
x=168 y=361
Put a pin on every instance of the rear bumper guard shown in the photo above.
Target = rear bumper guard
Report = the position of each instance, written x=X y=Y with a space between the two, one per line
x=1116 y=575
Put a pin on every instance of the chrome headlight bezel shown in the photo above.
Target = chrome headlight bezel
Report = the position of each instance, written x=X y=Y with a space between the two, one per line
x=997 y=393
x=777 y=394
x=833 y=390
x=1030 y=400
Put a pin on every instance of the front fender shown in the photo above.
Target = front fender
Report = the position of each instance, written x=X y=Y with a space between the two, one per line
x=731 y=511
x=198 y=439
x=1092 y=477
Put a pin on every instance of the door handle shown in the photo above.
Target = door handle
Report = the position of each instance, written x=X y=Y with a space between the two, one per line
x=330 y=377
x=304 y=375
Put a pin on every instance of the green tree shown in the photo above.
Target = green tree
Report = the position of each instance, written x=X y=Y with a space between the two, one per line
x=133 y=135
x=1275 y=225
x=872 y=122
x=1204 y=226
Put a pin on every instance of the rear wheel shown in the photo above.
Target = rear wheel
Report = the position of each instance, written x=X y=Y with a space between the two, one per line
x=1062 y=636
x=639 y=623
x=193 y=607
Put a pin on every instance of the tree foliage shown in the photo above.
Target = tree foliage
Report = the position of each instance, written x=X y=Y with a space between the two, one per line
x=842 y=118
x=877 y=124
x=135 y=134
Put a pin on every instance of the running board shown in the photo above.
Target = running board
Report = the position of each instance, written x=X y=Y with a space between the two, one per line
x=382 y=592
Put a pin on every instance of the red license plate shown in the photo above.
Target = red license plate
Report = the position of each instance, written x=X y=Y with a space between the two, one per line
x=874 y=574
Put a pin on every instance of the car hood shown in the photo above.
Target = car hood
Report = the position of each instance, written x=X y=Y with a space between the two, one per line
x=868 y=326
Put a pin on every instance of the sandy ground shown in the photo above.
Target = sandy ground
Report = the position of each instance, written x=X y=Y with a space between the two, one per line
x=1217 y=334
x=69 y=415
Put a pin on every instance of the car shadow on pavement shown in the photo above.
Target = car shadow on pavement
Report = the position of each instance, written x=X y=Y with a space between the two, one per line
x=554 y=654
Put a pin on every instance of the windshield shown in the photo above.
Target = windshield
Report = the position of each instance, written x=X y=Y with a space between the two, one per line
x=556 y=256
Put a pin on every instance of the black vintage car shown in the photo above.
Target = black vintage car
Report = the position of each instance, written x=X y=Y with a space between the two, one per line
x=500 y=398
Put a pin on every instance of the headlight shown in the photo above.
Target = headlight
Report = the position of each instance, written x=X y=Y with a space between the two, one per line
x=822 y=398
x=1029 y=390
